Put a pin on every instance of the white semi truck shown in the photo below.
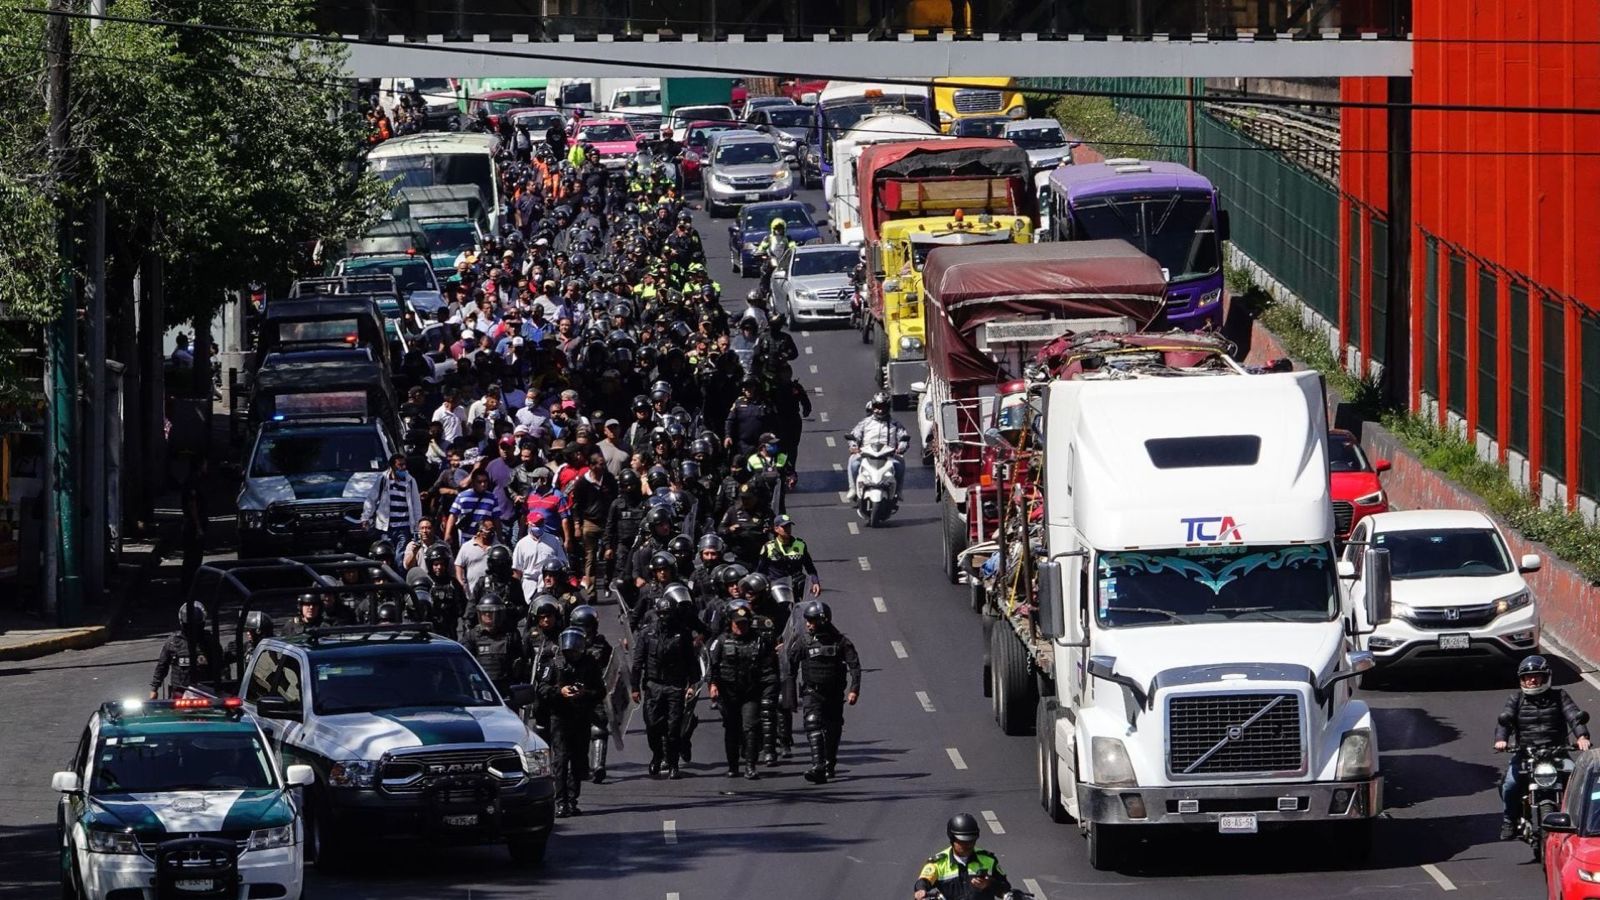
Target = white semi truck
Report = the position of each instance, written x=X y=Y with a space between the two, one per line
x=1164 y=600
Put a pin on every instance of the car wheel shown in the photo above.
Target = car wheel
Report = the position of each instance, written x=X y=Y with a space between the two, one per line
x=325 y=847
x=527 y=850
x=71 y=884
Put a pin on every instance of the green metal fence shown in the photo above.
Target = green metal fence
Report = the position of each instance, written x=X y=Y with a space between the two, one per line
x=1488 y=347
x=1554 y=412
x=1456 y=332
x=1168 y=120
x=1283 y=217
x=1380 y=289
x=1589 y=427
x=1520 y=374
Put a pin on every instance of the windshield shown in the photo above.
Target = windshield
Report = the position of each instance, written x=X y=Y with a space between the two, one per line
x=1036 y=138
x=1452 y=553
x=843 y=116
x=790 y=116
x=979 y=127
x=827 y=262
x=792 y=216
x=410 y=274
x=746 y=153
x=576 y=93
x=377 y=682
x=1345 y=456
x=614 y=131
x=183 y=761
x=431 y=85
x=536 y=121
x=422 y=170
x=640 y=97
x=1178 y=230
x=450 y=237
x=1291 y=582
x=500 y=107
x=339 y=452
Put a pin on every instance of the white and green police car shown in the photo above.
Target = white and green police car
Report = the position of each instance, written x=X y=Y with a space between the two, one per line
x=178 y=798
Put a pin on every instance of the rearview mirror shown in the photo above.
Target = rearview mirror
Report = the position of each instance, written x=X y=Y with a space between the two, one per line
x=521 y=695
x=65 y=782
x=1345 y=569
x=300 y=776
x=1381 y=465
x=1530 y=563
x=1376 y=579
x=1558 y=823
x=275 y=707
x=1224 y=232
x=1050 y=624
x=1102 y=666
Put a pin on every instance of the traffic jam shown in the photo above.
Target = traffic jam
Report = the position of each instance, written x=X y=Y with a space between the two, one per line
x=520 y=503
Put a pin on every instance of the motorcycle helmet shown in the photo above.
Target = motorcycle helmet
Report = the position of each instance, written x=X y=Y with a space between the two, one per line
x=555 y=568
x=658 y=517
x=879 y=405
x=491 y=612
x=628 y=481
x=962 y=827
x=1534 y=675
x=663 y=605
x=587 y=618
x=436 y=554
x=755 y=585
x=817 y=611
x=258 y=623
x=418 y=579
x=388 y=613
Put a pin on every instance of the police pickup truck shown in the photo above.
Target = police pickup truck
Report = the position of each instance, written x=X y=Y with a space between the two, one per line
x=178 y=798
x=406 y=735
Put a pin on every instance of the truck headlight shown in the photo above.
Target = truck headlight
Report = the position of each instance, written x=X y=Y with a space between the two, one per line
x=250 y=519
x=358 y=773
x=112 y=842
x=1210 y=297
x=1358 y=756
x=536 y=762
x=1545 y=773
x=1515 y=601
x=1017 y=112
x=911 y=344
x=271 y=838
x=1376 y=498
x=1112 y=767
x=782 y=174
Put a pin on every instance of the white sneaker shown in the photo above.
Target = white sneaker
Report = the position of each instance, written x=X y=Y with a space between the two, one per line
x=850 y=495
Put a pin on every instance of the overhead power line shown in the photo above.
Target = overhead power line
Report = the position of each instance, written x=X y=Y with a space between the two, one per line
x=480 y=50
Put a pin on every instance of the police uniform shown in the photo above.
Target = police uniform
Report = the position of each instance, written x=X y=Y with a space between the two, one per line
x=600 y=650
x=665 y=663
x=744 y=669
x=784 y=562
x=569 y=718
x=953 y=878
x=188 y=660
x=499 y=651
x=825 y=667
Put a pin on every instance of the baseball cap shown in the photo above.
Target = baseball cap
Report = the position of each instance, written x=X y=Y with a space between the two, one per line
x=467 y=334
x=569 y=404
x=613 y=423
x=535 y=517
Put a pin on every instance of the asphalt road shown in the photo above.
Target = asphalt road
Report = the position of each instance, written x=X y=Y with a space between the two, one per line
x=920 y=746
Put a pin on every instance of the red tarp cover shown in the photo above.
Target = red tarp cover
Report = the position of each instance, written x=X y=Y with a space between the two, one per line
x=967 y=287
x=957 y=158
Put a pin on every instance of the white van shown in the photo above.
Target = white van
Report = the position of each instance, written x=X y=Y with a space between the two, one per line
x=439 y=158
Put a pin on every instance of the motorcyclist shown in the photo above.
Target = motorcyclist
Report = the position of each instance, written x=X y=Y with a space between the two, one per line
x=191 y=655
x=962 y=871
x=877 y=428
x=774 y=246
x=1535 y=716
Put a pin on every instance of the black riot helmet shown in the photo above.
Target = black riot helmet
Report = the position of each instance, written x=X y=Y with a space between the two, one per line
x=587 y=618
x=732 y=574
x=658 y=517
x=573 y=640
x=659 y=476
x=740 y=611
x=545 y=605
x=628 y=481
x=381 y=550
x=818 y=612
x=191 y=617
x=679 y=594
x=663 y=606
x=388 y=613
x=661 y=559
x=681 y=548
x=1534 y=675
x=712 y=542
x=491 y=612
x=313 y=601
x=498 y=562
x=755 y=585
x=438 y=553
x=420 y=580
x=555 y=568
x=259 y=624
x=962 y=827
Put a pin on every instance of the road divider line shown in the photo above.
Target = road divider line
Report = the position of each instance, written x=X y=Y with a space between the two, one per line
x=1445 y=884
x=955 y=757
x=830 y=441
x=805 y=334
x=899 y=649
x=817 y=390
x=1033 y=888
x=926 y=701
x=669 y=830
x=844 y=497
x=838 y=467
x=993 y=821
x=808 y=350
x=866 y=564
x=852 y=527
x=877 y=604
x=813 y=368
x=822 y=416
x=672 y=895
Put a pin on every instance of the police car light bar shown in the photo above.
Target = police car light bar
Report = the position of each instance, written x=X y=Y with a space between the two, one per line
x=116 y=709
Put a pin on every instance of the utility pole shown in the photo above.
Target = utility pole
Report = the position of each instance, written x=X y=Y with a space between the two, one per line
x=94 y=480
x=61 y=582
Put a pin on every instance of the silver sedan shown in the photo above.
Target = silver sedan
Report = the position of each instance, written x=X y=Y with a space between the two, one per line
x=815 y=285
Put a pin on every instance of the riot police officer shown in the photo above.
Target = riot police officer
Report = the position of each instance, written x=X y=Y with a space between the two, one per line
x=827 y=674
x=497 y=578
x=257 y=625
x=191 y=654
x=309 y=615
x=663 y=571
x=557 y=582
x=743 y=672
x=599 y=649
x=569 y=685
x=494 y=643
x=665 y=670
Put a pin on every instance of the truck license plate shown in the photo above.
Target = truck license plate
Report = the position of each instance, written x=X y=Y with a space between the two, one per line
x=193 y=884
x=1237 y=823
x=1455 y=641
x=461 y=821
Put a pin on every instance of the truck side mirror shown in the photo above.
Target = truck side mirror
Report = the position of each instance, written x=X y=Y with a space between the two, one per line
x=276 y=707
x=1224 y=231
x=65 y=783
x=949 y=424
x=300 y=776
x=1050 y=612
x=1376 y=580
x=919 y=387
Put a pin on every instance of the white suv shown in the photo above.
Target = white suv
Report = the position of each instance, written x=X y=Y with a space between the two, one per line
x=1458 y=592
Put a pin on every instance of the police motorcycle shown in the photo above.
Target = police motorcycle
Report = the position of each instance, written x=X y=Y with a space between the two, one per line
x=875 y=484
x=1545 y=768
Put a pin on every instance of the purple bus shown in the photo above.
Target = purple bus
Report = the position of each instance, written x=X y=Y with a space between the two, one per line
x=1167 y=210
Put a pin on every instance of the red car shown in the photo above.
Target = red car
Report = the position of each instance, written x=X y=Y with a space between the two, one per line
x=1353 y=482
x=696 y=138
x=1572 y=843
x=497 y=103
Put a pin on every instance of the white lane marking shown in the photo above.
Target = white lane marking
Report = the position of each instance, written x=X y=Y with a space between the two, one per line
x=993 y=821
x=1445 y=884
x=866 y=564
x=672 y=895
x=1033 y=888
x=830 y=441
x=669 y=830
x=844 y=496
x=955 y=757
x=852 y=527
x=808 y=350
x=822 y=416
x=838 y=467
x=813 y=370
x=817 y=390
x=805 y=334
x=877 y=604
x=899 y=649
x=925 y=700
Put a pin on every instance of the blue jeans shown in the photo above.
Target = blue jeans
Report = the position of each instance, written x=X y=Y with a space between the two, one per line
x=1512 y=790
x=400 y=537
x=854 y=468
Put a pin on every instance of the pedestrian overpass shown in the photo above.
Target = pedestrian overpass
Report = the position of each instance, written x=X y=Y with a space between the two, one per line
x=866 y=39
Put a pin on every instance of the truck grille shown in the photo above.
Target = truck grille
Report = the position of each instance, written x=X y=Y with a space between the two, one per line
x=329 y=516
x=1452 y=618
x=1207 y=734
x=410 y=773
x=1343 y=511
x=973 y=101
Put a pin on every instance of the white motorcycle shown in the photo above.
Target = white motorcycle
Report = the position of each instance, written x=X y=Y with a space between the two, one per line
x=875 y=484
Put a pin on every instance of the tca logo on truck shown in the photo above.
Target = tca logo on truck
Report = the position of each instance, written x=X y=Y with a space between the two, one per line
x=1212 y=530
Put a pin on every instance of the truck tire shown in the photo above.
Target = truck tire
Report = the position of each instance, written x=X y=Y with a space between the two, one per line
x=528 y=850
x=988 y=664
x=880 y=339
x=1049 y=770
x=1013 y=684
x=1106 y=844
x=326 y=848
x=955 y=540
